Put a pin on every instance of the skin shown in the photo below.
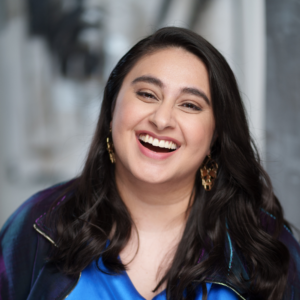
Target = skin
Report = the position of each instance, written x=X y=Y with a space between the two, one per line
x=174 y=103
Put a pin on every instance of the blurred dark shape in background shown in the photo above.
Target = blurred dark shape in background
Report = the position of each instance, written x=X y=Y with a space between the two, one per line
x=72 y=32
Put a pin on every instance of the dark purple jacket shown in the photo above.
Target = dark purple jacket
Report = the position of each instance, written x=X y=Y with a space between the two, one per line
x=26 y=273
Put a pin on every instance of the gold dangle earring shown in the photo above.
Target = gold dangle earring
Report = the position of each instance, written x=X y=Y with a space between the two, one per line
x=208 y=172
x=110 y=148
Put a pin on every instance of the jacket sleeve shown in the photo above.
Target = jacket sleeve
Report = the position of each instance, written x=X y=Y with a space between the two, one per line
x=20 y=260
x=18 y=243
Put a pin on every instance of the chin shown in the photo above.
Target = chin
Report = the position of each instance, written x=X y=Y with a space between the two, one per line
x=153 y=177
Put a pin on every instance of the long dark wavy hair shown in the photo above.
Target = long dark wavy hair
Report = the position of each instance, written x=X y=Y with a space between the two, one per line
x=93 y=210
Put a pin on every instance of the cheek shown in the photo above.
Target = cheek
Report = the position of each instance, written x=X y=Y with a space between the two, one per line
x=127 y=114
x=199 y=134
x=121 y=115
x=129 y=110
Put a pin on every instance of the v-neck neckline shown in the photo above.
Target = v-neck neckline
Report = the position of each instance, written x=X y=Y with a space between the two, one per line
x=138 y=295
x=134 y=289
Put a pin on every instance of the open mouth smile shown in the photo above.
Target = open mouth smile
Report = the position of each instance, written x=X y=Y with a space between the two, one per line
x=157 y=145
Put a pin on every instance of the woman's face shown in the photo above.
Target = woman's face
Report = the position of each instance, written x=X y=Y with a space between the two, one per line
x=163 y=121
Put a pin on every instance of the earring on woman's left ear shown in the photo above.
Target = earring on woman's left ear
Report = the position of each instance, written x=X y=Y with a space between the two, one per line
x=208 y=170
x=110 y=148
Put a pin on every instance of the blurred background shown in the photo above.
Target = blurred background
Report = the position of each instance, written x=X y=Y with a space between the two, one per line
x=55 y=56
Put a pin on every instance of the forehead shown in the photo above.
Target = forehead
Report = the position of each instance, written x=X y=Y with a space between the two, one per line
x=174 y=67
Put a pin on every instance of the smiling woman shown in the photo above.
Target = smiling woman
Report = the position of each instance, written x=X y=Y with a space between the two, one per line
x=172 y=202
x=165 y=96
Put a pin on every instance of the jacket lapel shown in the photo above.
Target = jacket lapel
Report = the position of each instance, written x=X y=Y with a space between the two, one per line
x=48 y=281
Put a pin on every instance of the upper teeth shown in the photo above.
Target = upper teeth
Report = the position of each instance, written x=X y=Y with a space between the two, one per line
x=156 y=142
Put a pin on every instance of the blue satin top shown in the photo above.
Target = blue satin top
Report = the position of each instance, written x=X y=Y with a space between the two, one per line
x=94 y=284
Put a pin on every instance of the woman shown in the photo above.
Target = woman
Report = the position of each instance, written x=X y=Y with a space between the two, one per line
x=172 y=202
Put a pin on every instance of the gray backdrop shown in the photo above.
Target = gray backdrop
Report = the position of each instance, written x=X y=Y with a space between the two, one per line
x=283 y=104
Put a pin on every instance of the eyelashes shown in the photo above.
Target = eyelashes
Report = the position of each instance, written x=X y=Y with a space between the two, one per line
x=146 y=95
x=186 y=105
x=191 y=106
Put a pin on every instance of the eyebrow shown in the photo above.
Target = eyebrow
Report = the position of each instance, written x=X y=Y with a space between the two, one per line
x=196 y=92
x=186 y=90
x=149 y=79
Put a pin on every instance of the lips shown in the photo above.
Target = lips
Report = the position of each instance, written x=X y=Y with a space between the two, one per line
x=157 y=147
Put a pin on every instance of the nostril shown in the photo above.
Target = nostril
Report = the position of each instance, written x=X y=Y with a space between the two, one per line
x=162 y=118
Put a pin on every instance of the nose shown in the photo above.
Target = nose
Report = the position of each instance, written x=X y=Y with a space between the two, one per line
x=162 y=117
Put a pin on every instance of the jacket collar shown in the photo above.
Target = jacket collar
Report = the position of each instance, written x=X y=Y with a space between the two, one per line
x=41 y=227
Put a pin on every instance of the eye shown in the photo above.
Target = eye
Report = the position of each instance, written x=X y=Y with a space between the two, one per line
x=146 y=95
x=191 y=106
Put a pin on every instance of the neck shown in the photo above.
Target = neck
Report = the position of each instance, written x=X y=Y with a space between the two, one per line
x=156 y=208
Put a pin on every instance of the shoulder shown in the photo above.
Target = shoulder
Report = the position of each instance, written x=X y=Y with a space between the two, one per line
x=237 y=264
x=293 y=282
x=19 y=243
x=288 y=239
x=31 y=210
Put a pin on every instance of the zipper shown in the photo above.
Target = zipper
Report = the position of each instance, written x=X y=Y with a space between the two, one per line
x=44 y=235
x=223 y=284
x=73 y=287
